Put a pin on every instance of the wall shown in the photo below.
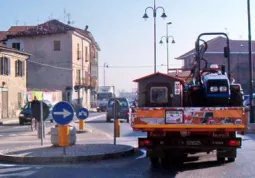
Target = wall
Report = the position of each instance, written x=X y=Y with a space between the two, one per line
x=83 y=63
x=42 y=49
x=14 y=85
x=52 y=96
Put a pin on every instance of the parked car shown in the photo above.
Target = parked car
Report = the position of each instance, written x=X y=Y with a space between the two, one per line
x=124 y=109
x=25 y=115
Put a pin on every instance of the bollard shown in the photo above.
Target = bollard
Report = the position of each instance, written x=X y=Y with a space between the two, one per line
x=81 y=124
x=63 y=135
x=117 y=127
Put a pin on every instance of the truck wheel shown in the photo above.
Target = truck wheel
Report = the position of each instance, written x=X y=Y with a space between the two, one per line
x=231 y=159
x=154 y=162
x=220 y=159
x=21 y=122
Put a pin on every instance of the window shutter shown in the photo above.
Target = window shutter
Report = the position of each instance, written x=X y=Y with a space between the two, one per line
x=1 y=66
x=16 y=68
x=23 y=68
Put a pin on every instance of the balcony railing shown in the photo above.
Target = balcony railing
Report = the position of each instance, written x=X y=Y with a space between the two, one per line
x=94 y=82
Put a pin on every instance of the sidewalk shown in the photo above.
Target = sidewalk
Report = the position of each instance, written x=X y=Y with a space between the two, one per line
x=91 y=145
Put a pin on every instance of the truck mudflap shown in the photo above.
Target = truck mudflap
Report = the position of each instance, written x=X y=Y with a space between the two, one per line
x=190 y=119
x=199 y=143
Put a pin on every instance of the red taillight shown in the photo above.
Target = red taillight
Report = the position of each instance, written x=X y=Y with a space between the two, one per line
x=145 y=143
x=234 y=143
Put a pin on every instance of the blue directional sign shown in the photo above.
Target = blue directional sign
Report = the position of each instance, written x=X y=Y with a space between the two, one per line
x=63 y=113
x=82 y=114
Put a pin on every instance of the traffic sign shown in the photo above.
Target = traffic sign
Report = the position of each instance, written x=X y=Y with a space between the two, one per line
x=36 y=110
x=82 y=114
x=63 y=113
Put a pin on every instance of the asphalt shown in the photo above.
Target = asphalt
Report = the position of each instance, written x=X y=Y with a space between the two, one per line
x=197 y=166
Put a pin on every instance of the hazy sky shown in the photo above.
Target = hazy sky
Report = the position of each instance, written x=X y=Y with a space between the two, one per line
x=125 y=38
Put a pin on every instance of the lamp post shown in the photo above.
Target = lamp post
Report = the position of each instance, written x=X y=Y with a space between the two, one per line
x=167 y=44
x=105 y=65
x=145 y=16
x=250 y=63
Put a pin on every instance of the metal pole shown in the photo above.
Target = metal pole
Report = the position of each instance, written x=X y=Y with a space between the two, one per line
x=167 y=53
x=114 y=117
x=250 y=63
x=155 y=38
x=41 y=123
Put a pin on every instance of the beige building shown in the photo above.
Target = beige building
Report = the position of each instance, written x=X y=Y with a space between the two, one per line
x=13 y=81
x=63 y=58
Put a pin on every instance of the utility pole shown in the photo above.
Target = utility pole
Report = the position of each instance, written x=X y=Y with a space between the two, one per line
x=250 y=63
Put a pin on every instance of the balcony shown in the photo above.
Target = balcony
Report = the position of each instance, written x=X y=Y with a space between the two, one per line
x=94 y=61
x=94 y=82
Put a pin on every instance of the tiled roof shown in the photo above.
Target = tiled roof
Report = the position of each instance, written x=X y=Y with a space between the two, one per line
x=49 y=28
x=2 y=35
x=159 y=73
x=217 y=45
x=15 y=29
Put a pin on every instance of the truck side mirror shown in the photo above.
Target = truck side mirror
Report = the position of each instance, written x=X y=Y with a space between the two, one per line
x=223 y=69
x=226 y=52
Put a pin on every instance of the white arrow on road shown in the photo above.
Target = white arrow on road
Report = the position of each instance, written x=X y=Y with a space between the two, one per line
x=65 y=113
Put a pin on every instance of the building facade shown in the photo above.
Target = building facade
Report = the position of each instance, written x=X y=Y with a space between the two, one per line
x=63 y=58
x=13 y=78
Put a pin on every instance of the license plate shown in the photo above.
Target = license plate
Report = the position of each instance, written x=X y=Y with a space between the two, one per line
x=193 y=142
x=174 y=117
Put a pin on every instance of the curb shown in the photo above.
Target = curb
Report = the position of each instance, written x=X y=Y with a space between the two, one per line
x=65 y=160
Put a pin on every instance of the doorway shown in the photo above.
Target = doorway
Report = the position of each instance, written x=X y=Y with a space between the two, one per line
x=4 y=104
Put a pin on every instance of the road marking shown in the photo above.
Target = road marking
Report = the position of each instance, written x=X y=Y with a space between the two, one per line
x=94 y=117
x=7 y=165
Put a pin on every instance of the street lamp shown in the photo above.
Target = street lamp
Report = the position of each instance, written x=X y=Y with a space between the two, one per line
x=105 y=65
x=167 y=41
x=145 y=16
x=250 y=63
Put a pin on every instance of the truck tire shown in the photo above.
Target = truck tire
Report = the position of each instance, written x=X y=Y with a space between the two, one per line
x=154 y=162
x=220 y=159
x=231 y=159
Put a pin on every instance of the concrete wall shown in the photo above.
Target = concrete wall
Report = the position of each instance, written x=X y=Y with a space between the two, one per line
x=14 y=85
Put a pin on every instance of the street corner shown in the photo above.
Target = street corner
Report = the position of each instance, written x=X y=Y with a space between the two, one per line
x=8 y=121
x=65 y=155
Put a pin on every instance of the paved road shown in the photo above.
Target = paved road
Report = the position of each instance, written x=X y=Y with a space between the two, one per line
x=12 y=130
x=132 y=167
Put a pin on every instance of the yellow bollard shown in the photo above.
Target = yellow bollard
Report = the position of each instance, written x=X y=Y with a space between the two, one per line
x=63 y=135
x=81 y=124
x=117 y=131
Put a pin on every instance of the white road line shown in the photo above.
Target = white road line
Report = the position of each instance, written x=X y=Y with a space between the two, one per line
x=7 y=165
x=94 y=117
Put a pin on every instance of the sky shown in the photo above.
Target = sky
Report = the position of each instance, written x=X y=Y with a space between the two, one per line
x=126 y=39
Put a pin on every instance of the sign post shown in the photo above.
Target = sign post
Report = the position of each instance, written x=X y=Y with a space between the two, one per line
x=116 y=109
x=82 y=114
x=40 y=111
x=63 y=114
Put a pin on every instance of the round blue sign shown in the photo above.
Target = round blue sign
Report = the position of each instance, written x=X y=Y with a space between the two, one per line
x=82 y=114
x=63 y=113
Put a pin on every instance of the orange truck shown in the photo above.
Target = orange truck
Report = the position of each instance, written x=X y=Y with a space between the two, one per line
x=199 y=113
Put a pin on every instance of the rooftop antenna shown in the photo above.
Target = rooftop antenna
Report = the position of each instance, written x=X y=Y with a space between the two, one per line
x=69 y=21
x=38 y=20
x=17 y=22
x=25 y=23
x=65 y=15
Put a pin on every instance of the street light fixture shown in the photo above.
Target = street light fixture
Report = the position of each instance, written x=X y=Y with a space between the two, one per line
x=145 y=16
x=105 y=65
x=167 y=44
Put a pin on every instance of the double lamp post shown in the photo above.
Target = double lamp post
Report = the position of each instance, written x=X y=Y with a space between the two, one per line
x=145 y=16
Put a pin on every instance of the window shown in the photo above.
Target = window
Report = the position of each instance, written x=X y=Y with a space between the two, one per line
x=16 y=46
x=78 y=75
x=56 y=45
x=5 y=66
x=19 y=100
x=86 y=54
x=19 y=68
x=159 y=95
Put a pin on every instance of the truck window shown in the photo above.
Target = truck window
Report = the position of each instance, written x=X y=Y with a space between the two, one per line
x=101 y=96
x=159 y=95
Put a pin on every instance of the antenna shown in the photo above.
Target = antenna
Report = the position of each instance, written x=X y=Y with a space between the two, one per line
x=37 y=20
x=226 y=29
x=17 y=22
x=65 y=15
x=69 y=19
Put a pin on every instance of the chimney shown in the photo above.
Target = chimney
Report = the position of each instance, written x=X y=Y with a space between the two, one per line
x=86 y=27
